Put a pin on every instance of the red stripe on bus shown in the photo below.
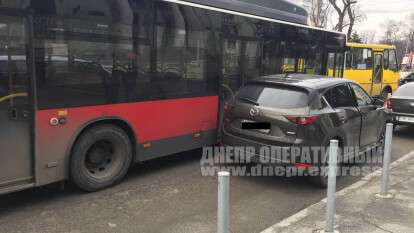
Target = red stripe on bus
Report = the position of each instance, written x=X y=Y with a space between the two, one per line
x=152 y=120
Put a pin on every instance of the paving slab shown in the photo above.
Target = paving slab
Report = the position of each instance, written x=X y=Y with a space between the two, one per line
x=360 y=210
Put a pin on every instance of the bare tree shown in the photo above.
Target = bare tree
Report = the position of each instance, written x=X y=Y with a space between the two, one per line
x=354 y=17
x=393 y=31
x=394 y=34
x=400 y=34
x=348 y=15
x=410 y=40
x=410 y=33
x=368 y=36
x=319 y=12
x=341 y=8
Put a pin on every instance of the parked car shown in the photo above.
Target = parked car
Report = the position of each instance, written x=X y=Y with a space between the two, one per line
x=304 y=111
x=406 y=77
x=402 y=105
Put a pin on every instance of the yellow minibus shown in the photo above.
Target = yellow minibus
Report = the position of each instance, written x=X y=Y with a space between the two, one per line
x=374 y=66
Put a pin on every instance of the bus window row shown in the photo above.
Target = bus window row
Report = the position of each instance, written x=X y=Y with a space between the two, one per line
x=126 y=51
x=362 y=59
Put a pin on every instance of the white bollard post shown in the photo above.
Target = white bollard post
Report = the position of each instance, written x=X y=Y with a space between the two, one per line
x=330 y=204
x=223 y=212
x=387 y=160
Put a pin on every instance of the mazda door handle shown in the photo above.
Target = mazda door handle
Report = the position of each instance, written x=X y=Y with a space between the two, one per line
x=25 y=114
x=13 y=113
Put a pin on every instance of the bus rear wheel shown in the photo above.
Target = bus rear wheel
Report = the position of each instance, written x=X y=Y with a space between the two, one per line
x=384 y=94
x=100 y=158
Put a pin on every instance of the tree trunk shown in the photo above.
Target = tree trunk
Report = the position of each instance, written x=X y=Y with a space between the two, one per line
x=351 y=16
x=341 y=12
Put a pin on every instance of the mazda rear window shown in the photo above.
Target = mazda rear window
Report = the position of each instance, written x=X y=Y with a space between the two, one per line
x=274 y=96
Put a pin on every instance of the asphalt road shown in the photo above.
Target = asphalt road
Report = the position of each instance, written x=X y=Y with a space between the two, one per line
x=167 y=195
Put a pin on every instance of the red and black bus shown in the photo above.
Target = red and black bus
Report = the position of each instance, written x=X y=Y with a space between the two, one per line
x=88 y=87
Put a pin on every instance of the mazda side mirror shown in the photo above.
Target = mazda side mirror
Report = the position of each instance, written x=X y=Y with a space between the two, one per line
x=378 y=102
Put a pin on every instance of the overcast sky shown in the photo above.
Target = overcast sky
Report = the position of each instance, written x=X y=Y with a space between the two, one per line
x=377 y=11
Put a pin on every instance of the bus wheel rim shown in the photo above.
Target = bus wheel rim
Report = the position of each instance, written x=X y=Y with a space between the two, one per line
x=103 y=159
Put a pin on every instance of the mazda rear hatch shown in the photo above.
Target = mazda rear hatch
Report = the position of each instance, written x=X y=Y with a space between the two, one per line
x=271 y=114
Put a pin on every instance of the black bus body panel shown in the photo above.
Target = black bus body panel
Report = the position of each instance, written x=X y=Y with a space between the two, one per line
x=184 y=52
x=275 y=9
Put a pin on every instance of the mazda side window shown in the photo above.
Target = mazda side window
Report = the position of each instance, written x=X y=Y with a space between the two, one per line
x=362 y=98
x=339 y=97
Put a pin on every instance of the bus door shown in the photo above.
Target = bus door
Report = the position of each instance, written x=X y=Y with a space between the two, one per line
x=240 y=64
x=16 y=165
x=377 y=77
x=335 y=64
x=232 y=75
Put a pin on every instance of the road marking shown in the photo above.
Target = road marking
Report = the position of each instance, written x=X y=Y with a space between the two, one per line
x=305 y=212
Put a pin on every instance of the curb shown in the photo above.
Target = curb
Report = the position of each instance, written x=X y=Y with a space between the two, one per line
x=305 y=212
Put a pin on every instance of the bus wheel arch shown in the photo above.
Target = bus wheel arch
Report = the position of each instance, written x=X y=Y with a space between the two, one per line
x=384 y=93
x=101 y=154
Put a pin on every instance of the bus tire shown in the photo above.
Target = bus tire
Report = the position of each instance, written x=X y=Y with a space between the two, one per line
x=100 y=158
x=384 y=93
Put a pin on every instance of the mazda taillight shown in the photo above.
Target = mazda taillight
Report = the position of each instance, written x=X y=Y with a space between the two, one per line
x=303 y=120
x=226 y=107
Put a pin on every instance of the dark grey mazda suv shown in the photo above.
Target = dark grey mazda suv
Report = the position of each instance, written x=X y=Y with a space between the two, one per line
x=303 y=111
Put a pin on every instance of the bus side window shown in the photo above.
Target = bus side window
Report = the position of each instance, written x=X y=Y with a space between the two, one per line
x=335 y=64
x=185 y=59
x=252 y=59
x=359 y=59
x=103 y=64
x=368 y=58
x=392 y=60
x=348 y=60
x=386 y=59
x=271 y=62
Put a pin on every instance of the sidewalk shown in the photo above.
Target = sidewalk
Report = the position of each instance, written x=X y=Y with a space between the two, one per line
x=358 y=210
